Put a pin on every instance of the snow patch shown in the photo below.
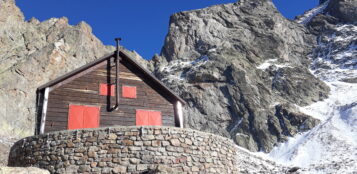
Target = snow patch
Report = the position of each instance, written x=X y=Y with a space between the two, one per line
x=59 y=43
x=236 y=125
x=330 y=147
x=338 y=115
x=266 y=64
x=306 y=18
x=178 y=65
x=336 y=55
x=272 y=62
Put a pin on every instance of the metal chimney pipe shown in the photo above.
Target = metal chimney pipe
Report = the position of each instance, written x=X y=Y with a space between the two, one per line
x=117 y=61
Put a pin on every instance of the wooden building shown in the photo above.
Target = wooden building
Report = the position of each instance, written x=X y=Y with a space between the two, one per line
x=87 y=97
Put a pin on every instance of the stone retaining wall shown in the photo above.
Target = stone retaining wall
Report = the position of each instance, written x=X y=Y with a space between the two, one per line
x=127 y=150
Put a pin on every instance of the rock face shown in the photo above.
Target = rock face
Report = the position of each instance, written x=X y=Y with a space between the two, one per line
x=31 y=54
x=242 y=68
x=334 y=60
x=337 y=44
x=345 y=10
x=5 y=144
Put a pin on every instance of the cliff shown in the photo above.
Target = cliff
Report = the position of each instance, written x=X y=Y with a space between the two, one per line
x=243 y=69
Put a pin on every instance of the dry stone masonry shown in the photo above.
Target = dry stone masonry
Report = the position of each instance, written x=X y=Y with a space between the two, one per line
x=127 y=150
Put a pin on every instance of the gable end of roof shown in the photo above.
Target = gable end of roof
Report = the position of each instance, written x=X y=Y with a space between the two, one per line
x=107 y=56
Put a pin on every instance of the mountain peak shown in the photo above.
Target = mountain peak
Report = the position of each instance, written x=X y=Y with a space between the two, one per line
x=322 y=1
x=215 y=18
x=345 y=10
x=9 y=12
x=239 y=65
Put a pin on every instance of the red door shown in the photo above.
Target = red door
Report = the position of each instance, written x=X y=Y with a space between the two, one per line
x=148 y=118
x=80 y=117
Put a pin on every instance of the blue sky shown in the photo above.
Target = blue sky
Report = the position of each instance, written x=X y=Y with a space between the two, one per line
x=142 y=24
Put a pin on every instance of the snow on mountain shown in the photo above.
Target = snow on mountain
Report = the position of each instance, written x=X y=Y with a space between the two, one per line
x=173 y=69
x=271 y=62
x=307 y=16
x=335 y=57
x=331 y=147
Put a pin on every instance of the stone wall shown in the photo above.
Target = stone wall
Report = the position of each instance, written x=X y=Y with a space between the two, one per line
x=127 y=150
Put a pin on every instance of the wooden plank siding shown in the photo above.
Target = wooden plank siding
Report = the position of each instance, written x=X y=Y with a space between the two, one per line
x=84 y=90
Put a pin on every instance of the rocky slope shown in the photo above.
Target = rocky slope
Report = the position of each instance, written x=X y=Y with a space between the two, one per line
x=332 y=145
x=241 y=67
x=31 y=54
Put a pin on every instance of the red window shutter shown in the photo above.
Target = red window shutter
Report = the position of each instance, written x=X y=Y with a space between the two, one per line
x=142 y=117
x=91 y=117
x=75 y=117
x=129 y=91
x=105 y=89
x=148 y=118
x=155 y=118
